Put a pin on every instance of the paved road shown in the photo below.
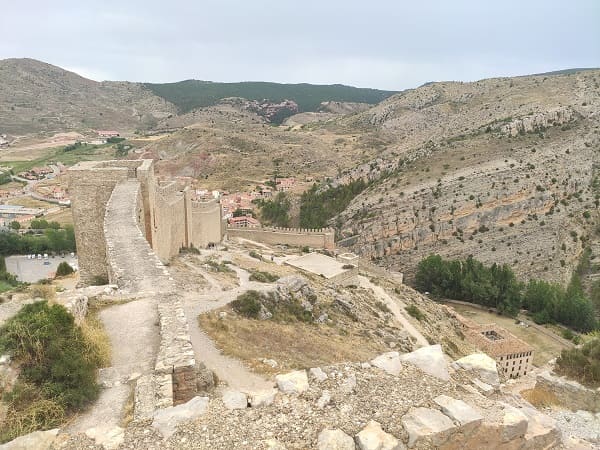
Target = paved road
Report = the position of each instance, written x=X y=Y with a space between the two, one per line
x=32 y=270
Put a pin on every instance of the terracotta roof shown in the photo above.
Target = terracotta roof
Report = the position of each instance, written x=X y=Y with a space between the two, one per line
x=496 y=341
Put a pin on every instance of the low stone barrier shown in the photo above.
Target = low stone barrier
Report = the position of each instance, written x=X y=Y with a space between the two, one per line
x=570 y=393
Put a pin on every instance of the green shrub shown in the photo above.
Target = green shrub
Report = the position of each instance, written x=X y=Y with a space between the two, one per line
x=248 y=304
x=64 y=269
x=255 y=254
x=57 y=375
x=263 y=277
x=99 y=280
x=414 y=311
x=581 y=364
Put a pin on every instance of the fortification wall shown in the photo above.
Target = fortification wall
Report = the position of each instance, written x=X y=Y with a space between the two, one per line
x=205 y=223
x=298 y=237
x=169 y=222
x=136 y=268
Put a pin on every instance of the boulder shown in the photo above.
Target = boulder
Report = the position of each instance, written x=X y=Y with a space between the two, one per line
x=465 y=415
x=38 y=440
x=430 y=360
x=293 y=382
x=389 y=362
x=427 y=425
x=372 y=437
x=483 y=388
x=318 y=374
x=482 y=365
x=235 y=400
x=108 y=436
x=514 y=423
x=542 y=431
x=262 y=398
x=334 y=440
x=165 y=420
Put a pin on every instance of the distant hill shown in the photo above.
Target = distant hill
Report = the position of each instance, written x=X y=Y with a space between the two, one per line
x=39 y=97
x=191 y=94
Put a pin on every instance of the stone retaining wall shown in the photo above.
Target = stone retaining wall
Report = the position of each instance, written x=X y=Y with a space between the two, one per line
x=570 y=393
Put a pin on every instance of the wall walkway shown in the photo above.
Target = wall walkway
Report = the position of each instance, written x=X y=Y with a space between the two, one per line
x=136 y=269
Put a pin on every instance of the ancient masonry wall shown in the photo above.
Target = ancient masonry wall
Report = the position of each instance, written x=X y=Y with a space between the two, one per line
x=205 y=220
x=298 y=237
x=169 y=221
x=136 y=268
x=89 y=205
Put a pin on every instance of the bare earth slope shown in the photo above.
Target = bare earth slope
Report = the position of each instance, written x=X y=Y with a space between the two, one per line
x=39 y=97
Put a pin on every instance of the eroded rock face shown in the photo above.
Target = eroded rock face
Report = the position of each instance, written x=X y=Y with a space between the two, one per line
x=293 y=382
x=430 y=360
x=481 y=365
x=372 y=437
x=334 y=440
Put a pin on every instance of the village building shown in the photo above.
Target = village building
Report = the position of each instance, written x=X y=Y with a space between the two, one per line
x=107 y=134
x=246 y=221
x=514 y=357
x=285 y=184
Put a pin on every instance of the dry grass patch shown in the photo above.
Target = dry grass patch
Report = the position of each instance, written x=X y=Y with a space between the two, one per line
x=292 y=345
x=540 y=398
x=96 y=340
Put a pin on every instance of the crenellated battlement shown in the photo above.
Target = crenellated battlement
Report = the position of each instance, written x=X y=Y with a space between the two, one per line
x=315 y=238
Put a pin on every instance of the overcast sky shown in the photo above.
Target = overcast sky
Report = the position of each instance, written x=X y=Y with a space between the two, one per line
x=391 y=44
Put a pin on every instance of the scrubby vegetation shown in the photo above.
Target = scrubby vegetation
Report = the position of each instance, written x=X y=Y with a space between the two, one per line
x=263 y=277
x=498 y=287
x=191 y=94
x=57 y=368
x=252 y=304
x=317 y=206
x=7 y=280
x=415 y=312
x=64 y=269
x=581 y=364
x=276 y=211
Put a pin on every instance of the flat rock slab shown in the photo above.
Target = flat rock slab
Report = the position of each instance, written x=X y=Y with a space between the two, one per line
x=482 y=365
x=293 y=382
x=430 y=360
x=108 y=436
x=38 y=440
x=460 y=412
x=334 y=440
x=389 y=362
x=318 y=374
x=372 y=437
x=425 y=424
x=166 y=420
x=235 y=400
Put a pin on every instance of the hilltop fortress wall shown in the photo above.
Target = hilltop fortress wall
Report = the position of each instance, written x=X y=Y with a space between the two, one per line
x=297 y=237
x=168 y=218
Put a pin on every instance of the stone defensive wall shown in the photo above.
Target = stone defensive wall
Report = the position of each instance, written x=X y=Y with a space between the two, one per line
x=136 y=268
x=169 y=219
x=297 y=237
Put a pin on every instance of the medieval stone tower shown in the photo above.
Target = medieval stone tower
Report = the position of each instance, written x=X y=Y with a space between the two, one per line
x=166 y=215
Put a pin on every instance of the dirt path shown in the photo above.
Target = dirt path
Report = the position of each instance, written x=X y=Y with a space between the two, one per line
x=131 y=353
x=397 y=308
x=228 y=369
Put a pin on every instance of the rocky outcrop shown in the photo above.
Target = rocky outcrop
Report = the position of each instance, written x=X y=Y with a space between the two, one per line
x=334 y=440
x=372 y=437
x=430 y=360
x=538 y=122
x=39 y=440
x=481 y=365
x=293 y=382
